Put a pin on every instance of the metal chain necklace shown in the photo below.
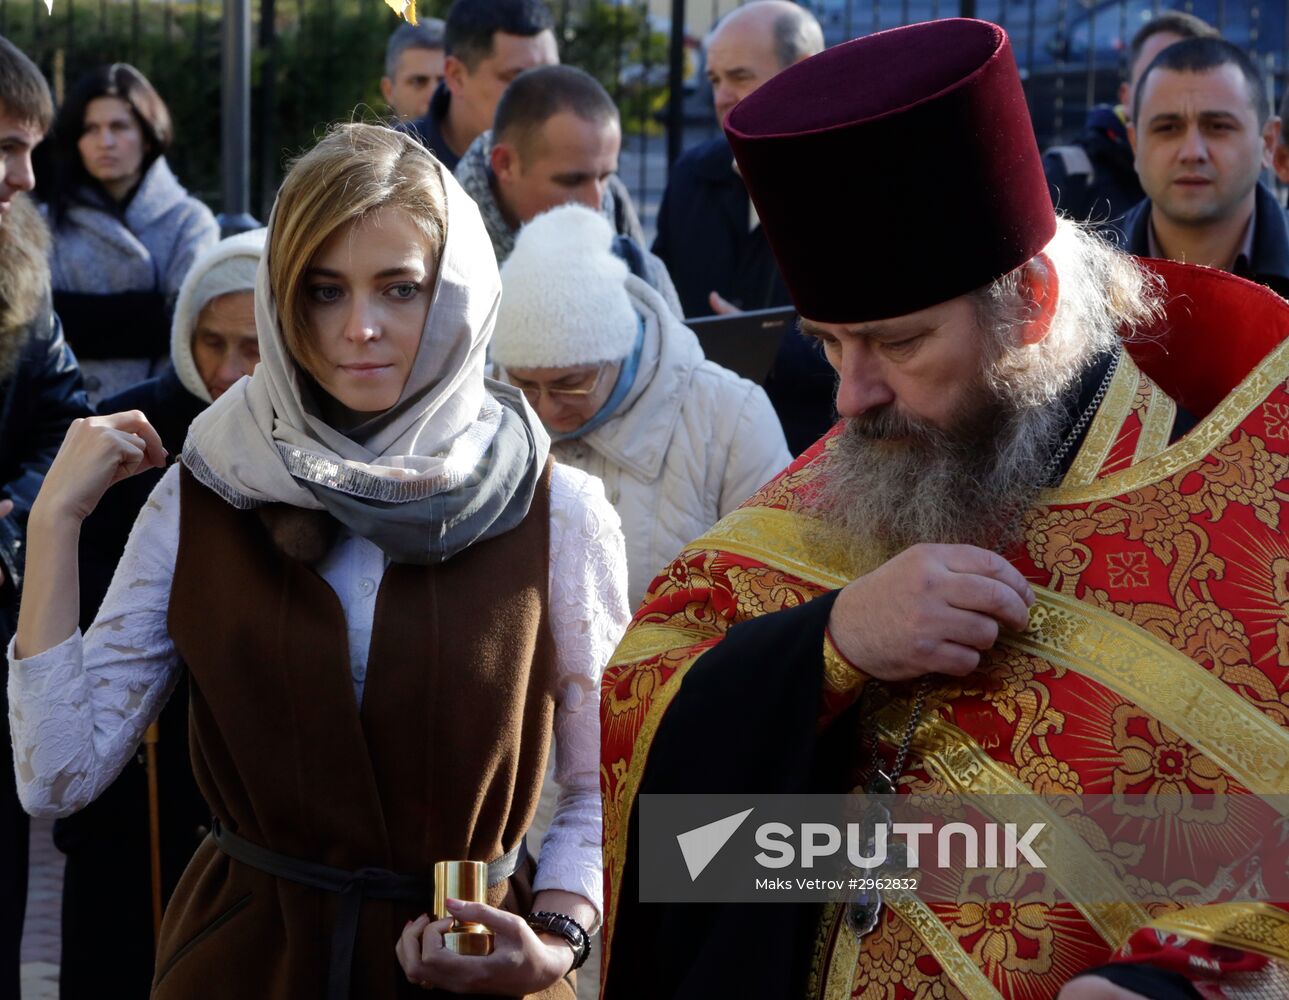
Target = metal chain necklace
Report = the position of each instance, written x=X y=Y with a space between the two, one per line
x=864 y=911
x=1085 y=418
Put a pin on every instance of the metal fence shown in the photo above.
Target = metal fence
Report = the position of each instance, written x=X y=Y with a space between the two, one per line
x=1071 y=53
x=318 y=61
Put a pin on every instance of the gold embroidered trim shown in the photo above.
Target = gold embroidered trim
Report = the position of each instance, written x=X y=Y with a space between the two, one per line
x=1106 y=425
x=779 y=539
x=1163 y=682
x=1156 y=425
x=1256 y=927
x=963 y=764
x=843 y=959
x=839 y=974
x=804 y=547
x=1203 y=438
x=839 y=675
x=648 y=640
x=616 y=853
x=941 y=943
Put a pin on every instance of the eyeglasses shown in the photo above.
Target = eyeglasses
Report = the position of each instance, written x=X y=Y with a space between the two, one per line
x=533 y=393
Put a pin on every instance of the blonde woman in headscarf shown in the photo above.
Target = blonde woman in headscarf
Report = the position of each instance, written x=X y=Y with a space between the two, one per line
x=387 y=599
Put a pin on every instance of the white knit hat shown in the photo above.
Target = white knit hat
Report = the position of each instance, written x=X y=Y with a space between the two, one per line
x=563 y=298
x=228 y=266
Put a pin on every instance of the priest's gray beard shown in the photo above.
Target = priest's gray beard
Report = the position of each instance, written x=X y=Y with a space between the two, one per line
x=893 y=480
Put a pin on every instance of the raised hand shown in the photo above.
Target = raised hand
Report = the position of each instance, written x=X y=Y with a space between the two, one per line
x=96 y=453
x=721 y=306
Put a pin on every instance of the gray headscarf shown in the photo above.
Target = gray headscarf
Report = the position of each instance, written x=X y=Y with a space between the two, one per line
x=455 y=461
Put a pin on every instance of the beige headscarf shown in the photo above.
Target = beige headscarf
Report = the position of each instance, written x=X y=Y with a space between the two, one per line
x=472 y=444
x=229 y=266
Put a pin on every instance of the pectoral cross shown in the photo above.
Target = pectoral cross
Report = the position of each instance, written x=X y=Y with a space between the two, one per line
x=864 y=911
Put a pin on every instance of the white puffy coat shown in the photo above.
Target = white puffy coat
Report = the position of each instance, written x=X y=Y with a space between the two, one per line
x=690 y=442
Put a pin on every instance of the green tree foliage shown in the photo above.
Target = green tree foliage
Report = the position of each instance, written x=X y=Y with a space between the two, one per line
x=322 y=65
x=616 y=44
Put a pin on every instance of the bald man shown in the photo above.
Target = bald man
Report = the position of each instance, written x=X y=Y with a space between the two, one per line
x=708 y=233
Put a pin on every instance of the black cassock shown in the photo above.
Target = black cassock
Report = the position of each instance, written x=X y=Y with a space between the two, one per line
x=744 y=720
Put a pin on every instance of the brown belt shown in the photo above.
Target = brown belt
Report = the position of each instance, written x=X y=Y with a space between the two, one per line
x=353 y=887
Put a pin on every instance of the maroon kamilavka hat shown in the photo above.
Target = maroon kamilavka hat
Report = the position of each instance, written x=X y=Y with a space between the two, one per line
x=896 y=171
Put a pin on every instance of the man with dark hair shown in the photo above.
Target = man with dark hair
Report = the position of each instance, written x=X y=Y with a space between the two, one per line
x=555 y=140
x=40 y=395
x=487 y=43
x=1202 y=132
x=709 y=235
x=1093 y=178
x=414 y=60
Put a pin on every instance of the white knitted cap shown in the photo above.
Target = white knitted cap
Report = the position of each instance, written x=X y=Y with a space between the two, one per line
x=563 y=297
x=228 y=266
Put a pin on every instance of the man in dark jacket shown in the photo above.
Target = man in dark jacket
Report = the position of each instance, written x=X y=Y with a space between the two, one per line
x=1093 y=178
x=1203 y=133
x=40 y=395
x=487 y=44
x=708 y=233
x=555 y=140
x=495 y=43
x=413 y=67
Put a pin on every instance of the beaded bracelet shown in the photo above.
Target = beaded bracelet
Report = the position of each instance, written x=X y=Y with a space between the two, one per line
x=567 y=928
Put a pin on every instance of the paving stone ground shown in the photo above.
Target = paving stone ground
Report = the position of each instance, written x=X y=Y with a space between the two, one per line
x=40 y=938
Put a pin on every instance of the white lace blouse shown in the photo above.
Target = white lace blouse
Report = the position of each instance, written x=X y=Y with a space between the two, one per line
x=78 y=710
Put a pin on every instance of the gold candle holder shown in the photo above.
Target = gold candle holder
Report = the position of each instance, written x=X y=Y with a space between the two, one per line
x=467 y=881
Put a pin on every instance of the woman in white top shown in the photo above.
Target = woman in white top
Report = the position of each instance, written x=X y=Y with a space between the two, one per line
x=386 y=598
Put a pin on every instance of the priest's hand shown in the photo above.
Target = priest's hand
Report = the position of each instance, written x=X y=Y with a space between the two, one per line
x=521 y=962
x=932 y=609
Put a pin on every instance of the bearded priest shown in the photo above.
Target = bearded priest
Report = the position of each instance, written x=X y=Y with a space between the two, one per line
x=1043 y=551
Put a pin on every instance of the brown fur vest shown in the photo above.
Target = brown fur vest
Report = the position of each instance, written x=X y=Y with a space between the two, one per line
x=442 y=760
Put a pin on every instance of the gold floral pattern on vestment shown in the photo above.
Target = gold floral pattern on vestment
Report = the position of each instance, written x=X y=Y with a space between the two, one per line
x=943 y=943
x=1171 y=687
x=1147 y=666
x=1106 y=425
x=839 y=675
x=1156 y=426
x=1202 y=438
x=1252 y=926
x=964 y=767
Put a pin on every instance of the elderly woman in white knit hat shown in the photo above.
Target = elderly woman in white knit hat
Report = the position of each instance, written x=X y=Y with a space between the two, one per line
x=625 y=392
x=213 y=343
